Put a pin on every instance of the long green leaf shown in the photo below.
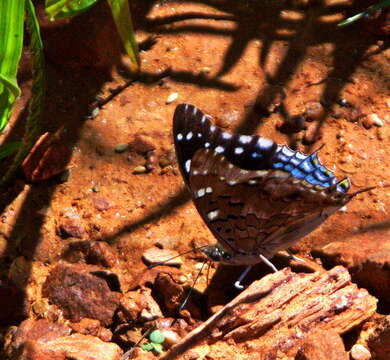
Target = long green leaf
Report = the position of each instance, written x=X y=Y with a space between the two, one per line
x=122 y=17
x=11 y=44
x=9 y=149
x=369 y=10
x=57 y=9
x=33 y=128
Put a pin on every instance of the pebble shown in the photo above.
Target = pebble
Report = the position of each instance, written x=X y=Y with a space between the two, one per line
x=171 y=98
x=372 y=119
x=154 y=256
x=95 y=112
x=313 y=111
x=121 y=148
x=140 y=169
x=312 y=135
x=360 y=352
x=151 y=161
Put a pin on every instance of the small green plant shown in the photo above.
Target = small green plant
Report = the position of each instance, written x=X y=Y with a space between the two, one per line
x=156 y=338
x=366 y=12
x=18 y=16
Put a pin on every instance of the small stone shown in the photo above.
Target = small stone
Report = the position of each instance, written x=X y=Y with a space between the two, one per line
x=123 y=100
x=359 y=352
x=151 y=161
x=91 y=252
x=372 y=119
x=101 y=203
x=95 y=112
x=171 y=338
x=95 y=189
x=168 y=158
x=292 y=125
x=121 y=148
x=71 y=228
x=141 y=144
x=313 y=111
x=155 y=256
x=140 y=169
x=343 y=102
x=312 y=134
x=171 y=98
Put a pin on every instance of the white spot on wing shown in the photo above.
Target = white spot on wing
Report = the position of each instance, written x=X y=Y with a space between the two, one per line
x=226 y=135
x=203 y=119
x=200 y=192
x=232 y=182
x=209 y=190
x=194 y=110
x=219 y=149
x=212 y=214
x=245 y=139
x=264 y=143
x=206 y=145
x=199 y=135
x=179 y=136
x=189 y=135
x=187 y=165
x=212 y=128
x=238 y=150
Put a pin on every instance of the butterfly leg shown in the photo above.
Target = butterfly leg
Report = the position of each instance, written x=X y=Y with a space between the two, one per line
x=293 y=257
x=238 y=284
x=269 y=263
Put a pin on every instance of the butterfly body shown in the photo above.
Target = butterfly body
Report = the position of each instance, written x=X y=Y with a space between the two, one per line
x=256 y=197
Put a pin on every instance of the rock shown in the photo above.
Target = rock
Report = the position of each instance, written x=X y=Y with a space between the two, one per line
x=80 y=294
x=313 y=111
x=91 y=327
x=167 y=158
x=372 y=119
x=171 y=98
x=312 y=134
x=91 y=252
x=156 y=256
x=139 y=305
x=140 y=169
x=359 y=352
x=48 y=157
x=12 y=303
x=366 y=257
x=101 y=203
x=70 y=228
x=147 y=277
x=375 y=336
x=41 y=331
x=274 y=315
x=151 y=161
x=170 y=294
x=141 y=144
x=75 y=347
x=292 y=125
x=316 y=346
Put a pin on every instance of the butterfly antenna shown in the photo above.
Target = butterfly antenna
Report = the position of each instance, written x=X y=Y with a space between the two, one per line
x=127 y=354
x=151 y=266
x=363 y=190
x=184 y=303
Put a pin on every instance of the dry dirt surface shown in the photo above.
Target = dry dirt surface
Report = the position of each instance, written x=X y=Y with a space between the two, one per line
x=104 y=197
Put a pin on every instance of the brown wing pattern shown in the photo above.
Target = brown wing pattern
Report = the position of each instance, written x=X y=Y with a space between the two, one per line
x=257 y=211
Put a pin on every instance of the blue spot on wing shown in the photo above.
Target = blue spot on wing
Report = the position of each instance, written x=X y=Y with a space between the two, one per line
x=306 y=167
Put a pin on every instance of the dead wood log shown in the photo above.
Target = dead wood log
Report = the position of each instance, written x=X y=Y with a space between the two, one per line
x=271 y=318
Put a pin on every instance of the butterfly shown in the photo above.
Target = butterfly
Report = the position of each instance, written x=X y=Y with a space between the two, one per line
x=256 y=197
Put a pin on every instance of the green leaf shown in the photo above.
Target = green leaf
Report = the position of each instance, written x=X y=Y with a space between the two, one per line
x=157 y=348
x=369 y=10
x=11 y=44
x=157 y=336
x=33 y=128
x=57 y=9
x=9 y=148
x=147 y=347
x=122 y=17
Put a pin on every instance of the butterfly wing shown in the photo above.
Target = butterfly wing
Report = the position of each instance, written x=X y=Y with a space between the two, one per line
x=257 y=211
x=193 y=130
